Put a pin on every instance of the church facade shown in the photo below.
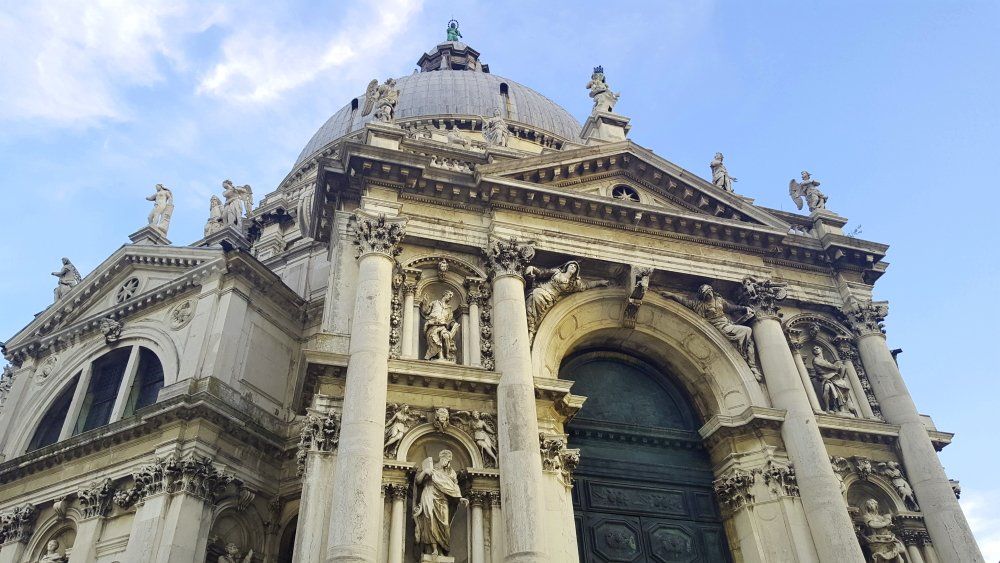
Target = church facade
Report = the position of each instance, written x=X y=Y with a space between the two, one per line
x=467 y=328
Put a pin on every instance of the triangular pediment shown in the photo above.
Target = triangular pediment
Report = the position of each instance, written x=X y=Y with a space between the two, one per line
x=597 y=170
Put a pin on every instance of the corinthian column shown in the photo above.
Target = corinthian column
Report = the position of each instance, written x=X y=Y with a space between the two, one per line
x=357 y=498
x=946 y=523
x=517 y=417
x=826 y=512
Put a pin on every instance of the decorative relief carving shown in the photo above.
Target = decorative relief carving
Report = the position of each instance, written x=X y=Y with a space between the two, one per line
x=617 y=497
x=196 y=476
x=733 y=489
x=18 y=524
x=97 y=498
x=376 y=234
x=635 y=297
x=894 y=472
x=396 y=313
x=866 y=317
x=558 y=283
x=558 y=458
x=127 y=290
x=714 y=309
x=319 y=433
x=181 y=314
x=480 y=293
x=780 y=479
x=763 y=296
x=398 y=421
x=509 y=257
x=111 y=329
x=46 y=368
x=864 y=468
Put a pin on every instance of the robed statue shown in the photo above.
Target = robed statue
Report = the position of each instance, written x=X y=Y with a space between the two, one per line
x=68 y=276
x=604 y=98
x=809 y=190
x=720 y=176
x=440 y=328
x=549 y=286
x=495 y=130
x=52 y=553
x=436 y=497
x=453 y=33
x=836 y=397
x=878 y=535
x=239 y=203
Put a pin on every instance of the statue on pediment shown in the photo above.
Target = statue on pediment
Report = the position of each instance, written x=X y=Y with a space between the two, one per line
x=239 y=203
x=68 y=276
x=836 y=395
x=52 y=553
x=163 y=208
x=558 y=283
x=878 y=534
x=808 y=190
x=440 y=328
x=604 y=98
x=214 y=223
x=715 y=309
x=720 y=176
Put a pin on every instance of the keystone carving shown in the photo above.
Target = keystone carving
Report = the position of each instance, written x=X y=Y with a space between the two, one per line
x=111 y=329
x=635 y=297
x=378 y=235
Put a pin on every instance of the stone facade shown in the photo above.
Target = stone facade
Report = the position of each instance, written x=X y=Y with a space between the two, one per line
x=369 y=365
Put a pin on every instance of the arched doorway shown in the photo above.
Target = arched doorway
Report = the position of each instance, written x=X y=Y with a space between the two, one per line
x=643 y=490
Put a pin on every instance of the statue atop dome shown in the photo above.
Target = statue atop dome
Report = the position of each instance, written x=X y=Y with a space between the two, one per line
x=453 y=33
x=604 y=98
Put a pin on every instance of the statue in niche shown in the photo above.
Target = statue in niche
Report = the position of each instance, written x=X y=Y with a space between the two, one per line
x=239 y=202
x=68 y=276
x=214 y=223
x=604 y=98
x=720 y=176
x=386 y=97
x=892 y=471
x=398 y=421
x=559 y=282
x=440 y=328
x=453 y=33
x=52 y=553
x=495 y=129
x=715 y=310
x=163 y=208
x=808 y=189
x=878 y=535
x=836 y=396
x=232 y=555
x=436 y=494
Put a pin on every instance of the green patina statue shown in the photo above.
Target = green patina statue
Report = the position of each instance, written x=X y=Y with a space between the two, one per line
x=453 y=33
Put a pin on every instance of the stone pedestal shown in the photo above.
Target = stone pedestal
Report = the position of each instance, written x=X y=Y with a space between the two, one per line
x=149 y=235
x=427 y=558
x=385 y=135
x=603 y=127
x=228 y=238
x=357 y=497
x=943 y=516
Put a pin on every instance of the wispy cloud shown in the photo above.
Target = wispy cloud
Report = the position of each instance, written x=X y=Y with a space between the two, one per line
x=981 y=509
x=262 y=60
x=68 y=62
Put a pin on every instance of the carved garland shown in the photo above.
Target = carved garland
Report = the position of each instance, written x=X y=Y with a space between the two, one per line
x=396 y=313
x=479 y=293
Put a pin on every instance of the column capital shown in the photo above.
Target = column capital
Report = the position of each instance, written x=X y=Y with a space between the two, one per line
x=480 y=498
x=395 y=491
x=763 y=296
x=866 y=317
x=509 y=257
x=18 y=524
x=376 y=234
x=97 y=498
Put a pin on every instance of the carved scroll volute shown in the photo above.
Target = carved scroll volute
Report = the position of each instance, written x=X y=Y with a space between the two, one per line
x=509 y=257
x=376 y=234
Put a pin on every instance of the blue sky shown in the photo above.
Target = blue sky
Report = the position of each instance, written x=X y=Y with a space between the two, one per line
x=891 y=104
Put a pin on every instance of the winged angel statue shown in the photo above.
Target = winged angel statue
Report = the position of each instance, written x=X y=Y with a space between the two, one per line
x=808 y=189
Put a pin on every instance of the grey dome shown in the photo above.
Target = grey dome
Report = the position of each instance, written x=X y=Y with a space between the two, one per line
x=452 y=92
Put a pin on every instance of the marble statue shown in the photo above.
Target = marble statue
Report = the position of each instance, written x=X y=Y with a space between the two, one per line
x=495 y=129
x=892 y=471
x=485 y=436
x=68 y=276
x=386 y=98
x=239 y=203
x=371 y=93
x=453 y=33
x=559 y=282
x=163 y=208
x=715 y=310
x=214 y=223
x=232 y=555
x=878 y=535
x=52 y=553
x=397 y=424
x=604 y=98
x=720 y=176
x=440 y=328
x=836 y=393
x=808 y=189
x=437 y=489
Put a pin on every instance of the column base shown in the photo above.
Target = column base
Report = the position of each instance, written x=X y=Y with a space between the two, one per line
x=524 y=557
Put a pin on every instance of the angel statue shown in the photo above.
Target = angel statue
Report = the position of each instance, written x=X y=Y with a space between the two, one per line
x=68 y=276
x=808 y=189
x=485 y=435
x=878 y=535
x=894 y=473
x=52 y=553
x=370 y=94
x=386 y=97
x=604 y=98
x=239 y=202
x=397 y=423
x=232 y=555
x=163 y=207
x=720 y=176
x=437 y=496
x=495 y=129
x=559 y=282
x=836 y=388
x=440 y=328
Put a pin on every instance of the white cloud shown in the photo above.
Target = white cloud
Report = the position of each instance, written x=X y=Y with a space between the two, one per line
x=981 y=510
x=262 y=60
x=66 y=62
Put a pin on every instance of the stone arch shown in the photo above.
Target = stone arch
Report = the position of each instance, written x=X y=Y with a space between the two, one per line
x=245 y=528
x=875 y=486
x=62 y=530
x=455 y=262
x=821 y=330
x=667 y=334
x=453 y=434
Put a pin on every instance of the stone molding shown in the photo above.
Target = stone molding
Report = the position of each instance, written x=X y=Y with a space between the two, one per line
x=18 y=524
x=319 y=433
x=96 y=499
x=509 y=257
x=866 y=318
x=376 y=234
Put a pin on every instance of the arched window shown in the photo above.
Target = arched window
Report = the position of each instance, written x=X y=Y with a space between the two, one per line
x=107 y=389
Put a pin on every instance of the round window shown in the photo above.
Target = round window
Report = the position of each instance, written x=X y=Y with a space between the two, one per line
x=127 y=290
x=625 y=192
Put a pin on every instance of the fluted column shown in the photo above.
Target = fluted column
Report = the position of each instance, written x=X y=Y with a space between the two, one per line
x=357 y=499
x=826 y=512
x=517 y=416
x=946 y=523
